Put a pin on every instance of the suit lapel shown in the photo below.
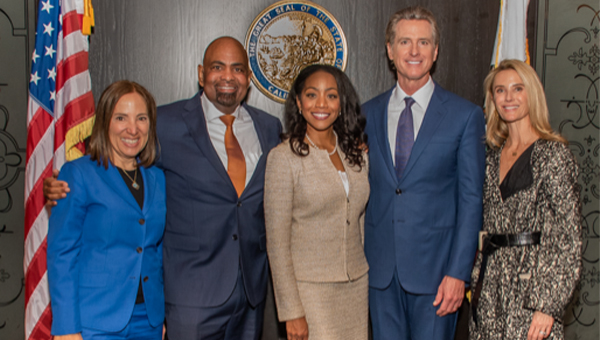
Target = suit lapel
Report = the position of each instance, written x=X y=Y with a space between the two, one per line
x=381 y=122
x=196 y=123
x=114 y=180
x=433 y=117
x=259 y=128
x=149 y=188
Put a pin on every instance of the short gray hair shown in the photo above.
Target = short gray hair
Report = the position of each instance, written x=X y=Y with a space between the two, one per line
x=412 y=13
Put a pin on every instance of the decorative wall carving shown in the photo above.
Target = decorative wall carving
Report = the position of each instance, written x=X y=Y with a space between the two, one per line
x=568 y=64
x=16 y=21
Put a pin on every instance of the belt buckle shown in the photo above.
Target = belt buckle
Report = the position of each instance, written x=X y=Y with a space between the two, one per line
x=483 y=240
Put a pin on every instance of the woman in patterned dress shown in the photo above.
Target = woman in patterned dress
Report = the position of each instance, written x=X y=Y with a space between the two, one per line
x=526 y=273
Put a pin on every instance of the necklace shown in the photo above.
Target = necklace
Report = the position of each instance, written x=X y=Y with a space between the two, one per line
x=133 y=180
x=524 y=147
x=318 y=148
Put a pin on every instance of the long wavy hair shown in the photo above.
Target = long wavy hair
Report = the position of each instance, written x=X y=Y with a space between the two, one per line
x=349 y=126
x=497 y=130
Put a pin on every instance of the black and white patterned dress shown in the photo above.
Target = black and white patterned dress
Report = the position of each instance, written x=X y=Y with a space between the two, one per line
x=521 y=280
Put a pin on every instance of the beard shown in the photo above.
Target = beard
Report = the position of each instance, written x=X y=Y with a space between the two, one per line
x=227 y=99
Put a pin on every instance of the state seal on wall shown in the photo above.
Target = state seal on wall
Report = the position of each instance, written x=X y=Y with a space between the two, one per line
x=288 y=36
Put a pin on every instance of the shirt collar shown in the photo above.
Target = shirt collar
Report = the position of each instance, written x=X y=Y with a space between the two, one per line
x=211 y=112
x=421 y=97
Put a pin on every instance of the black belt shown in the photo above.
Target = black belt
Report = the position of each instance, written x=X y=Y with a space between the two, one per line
x=492 y=242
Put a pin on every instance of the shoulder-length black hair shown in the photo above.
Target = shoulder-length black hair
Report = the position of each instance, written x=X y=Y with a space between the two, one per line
x=100 y=148
x=349 y=126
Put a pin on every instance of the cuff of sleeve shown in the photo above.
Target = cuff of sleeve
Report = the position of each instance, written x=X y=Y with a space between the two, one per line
x=535 y=303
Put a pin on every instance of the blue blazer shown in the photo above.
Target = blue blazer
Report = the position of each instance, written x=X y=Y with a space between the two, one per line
x=211 y=233
x=99 y=245
x=426 y=225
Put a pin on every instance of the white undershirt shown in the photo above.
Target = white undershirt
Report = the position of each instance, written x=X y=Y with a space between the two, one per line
x=422 y=98
x=243 y=129
x=344 y=177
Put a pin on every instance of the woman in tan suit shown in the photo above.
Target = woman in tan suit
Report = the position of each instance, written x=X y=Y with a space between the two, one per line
x=316 y=189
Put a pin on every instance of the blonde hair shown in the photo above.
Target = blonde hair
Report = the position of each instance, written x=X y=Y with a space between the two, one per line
x=497 y=130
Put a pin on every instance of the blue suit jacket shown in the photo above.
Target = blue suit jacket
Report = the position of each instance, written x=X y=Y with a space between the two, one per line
x=94 y=242
x=426 y=225
x=211 y=233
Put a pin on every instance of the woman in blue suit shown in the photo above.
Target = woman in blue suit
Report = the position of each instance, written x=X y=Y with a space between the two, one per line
x=105 y=238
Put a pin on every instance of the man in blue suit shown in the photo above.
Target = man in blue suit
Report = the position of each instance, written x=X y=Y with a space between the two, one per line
x=427 y=162
x=215 y=259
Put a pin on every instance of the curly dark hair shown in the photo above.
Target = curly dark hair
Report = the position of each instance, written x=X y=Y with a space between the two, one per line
x=349 y=126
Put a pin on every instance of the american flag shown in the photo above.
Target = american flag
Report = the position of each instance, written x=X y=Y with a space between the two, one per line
x=60 y=115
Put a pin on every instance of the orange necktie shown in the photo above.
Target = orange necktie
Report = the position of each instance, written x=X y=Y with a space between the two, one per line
x=236 y=164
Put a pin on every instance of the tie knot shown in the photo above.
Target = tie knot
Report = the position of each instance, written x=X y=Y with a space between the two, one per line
x=409 y=101
x=227 y=119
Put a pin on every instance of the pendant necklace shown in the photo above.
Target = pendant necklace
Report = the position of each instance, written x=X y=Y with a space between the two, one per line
x=525 y=146
x=133 y=180
x=316 y=147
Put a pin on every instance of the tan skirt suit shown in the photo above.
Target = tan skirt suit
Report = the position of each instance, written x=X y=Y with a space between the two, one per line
x=315 y=235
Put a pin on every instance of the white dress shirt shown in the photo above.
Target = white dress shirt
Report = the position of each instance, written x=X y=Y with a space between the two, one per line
x=243 y=129
x=422 y=98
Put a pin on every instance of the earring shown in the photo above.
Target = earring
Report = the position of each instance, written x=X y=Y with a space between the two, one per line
x=339 y=114
x=300 y=112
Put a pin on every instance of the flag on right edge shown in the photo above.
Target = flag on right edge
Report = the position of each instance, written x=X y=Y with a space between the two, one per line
x=511 y=36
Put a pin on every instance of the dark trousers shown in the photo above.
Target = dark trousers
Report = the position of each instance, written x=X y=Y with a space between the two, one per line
x=400 y=315
x=235 y=319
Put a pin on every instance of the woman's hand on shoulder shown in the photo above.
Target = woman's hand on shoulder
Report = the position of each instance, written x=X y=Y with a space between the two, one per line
x=541 y=326
x=76 y=336
x=297 y=329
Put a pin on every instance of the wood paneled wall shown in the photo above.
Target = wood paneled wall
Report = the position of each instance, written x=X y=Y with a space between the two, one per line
x=159 y=43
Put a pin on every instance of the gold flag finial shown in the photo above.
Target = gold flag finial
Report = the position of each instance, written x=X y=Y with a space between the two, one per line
x=88 y=18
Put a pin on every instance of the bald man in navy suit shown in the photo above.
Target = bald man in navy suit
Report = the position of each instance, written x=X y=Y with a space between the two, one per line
x=215 y=259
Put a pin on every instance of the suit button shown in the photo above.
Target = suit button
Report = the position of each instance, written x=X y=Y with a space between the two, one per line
x=142 y=221
x=234 y=237
x=145 y=279
x=139 y=250
x=398 y=191
x=239 y=204
x=347 y=222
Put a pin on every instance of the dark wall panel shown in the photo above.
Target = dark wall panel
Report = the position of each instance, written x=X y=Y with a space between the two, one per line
x=160 y=43
x=17 y=21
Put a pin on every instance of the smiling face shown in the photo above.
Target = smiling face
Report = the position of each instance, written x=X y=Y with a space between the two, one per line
x=225 y=74
x=413 y=53
x=128 y=130
x=319 y=102
x=510 y=97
